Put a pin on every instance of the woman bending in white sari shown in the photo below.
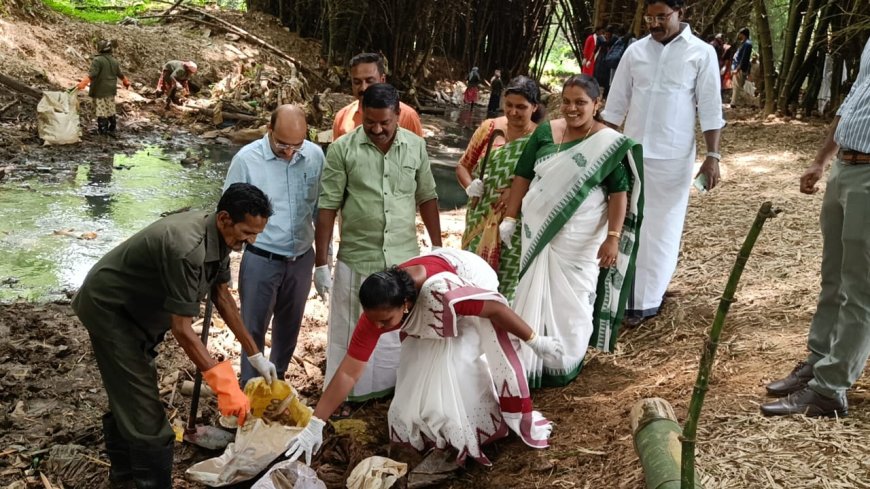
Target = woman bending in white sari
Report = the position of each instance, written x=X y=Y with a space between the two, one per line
x=579 y=183
x=451 y=315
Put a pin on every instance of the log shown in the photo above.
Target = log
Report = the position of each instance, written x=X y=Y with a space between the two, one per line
x=230 y=115
x=656 y=436
x=431 y=110
x=20 y=87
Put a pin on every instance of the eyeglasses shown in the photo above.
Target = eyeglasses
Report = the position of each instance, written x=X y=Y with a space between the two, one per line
x=658 y=19
x=285 y=147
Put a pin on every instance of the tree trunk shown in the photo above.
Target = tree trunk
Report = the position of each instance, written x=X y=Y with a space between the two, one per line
x=20 y=87
x=791 y=80
x=789 y=40
x=656 y=436
x=765 y=48
x=709 y=29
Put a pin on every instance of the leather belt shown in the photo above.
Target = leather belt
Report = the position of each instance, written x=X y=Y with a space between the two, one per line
x=268 y=254
x=849 y=157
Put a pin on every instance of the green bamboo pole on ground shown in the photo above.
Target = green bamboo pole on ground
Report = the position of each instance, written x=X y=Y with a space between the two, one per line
x=687 y=472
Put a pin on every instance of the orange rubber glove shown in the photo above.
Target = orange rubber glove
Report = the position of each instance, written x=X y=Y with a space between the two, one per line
x=126 y=82
x=231 y=400
x=84 y=83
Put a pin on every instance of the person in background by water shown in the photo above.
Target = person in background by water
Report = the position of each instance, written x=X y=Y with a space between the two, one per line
x=366 y=69
x=473 y=82
x=103 y=78
x=663 y=83
x=175 y=76
x=446 y=305
x=153 y=283
x=275 y=274
x=506 y=137
x=579 y=183
x=496 y=86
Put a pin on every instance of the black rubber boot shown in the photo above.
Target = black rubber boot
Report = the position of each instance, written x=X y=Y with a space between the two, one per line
x=102 y=125
x=118 y=451
x=152 y=467
x=112 y=125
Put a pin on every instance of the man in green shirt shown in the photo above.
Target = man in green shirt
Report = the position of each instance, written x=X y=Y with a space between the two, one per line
x=376 y=176
x=152 y=283
x=103 y=78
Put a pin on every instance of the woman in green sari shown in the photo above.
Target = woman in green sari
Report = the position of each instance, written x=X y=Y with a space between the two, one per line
x=579 y=183
x=485 y=172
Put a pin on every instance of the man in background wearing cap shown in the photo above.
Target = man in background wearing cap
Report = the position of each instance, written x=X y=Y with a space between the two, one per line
x=103 y=78
x=175 y=75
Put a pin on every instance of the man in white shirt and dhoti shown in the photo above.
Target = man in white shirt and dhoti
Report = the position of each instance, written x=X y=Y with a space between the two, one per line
x=662 y=82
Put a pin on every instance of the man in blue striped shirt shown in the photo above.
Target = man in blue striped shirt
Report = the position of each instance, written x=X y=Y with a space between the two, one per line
x=839 y=337
x=275 y=273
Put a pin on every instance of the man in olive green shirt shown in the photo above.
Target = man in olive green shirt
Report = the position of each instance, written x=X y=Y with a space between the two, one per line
x=103 y=78
x=152 y=283
x=376 y=175
x=175 y=76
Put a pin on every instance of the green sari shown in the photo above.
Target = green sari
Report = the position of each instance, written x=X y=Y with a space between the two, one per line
x=481 y=221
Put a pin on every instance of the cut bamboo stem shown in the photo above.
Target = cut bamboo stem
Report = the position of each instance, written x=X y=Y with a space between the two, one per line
x=656 y=436
x=687 y=477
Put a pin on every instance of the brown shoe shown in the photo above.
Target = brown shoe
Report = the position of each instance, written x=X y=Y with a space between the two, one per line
x=796 y=380
x=807 y=402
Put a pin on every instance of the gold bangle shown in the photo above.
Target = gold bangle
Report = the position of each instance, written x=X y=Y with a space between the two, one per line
x=615 y=234
x=509 y=219
x=534 y=335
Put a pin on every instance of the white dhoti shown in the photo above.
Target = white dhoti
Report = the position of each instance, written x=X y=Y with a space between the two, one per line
x=379 y=377
x=666 y=197
x=461 y=383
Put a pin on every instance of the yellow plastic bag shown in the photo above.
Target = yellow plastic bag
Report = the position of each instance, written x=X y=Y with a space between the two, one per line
x=277 y=402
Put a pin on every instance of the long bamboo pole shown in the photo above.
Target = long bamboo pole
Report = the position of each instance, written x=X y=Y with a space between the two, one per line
x=687 y=472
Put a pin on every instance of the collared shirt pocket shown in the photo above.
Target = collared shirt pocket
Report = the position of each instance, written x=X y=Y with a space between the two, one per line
x=406 y=181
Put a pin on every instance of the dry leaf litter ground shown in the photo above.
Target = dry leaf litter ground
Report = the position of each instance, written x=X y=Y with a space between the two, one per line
x=51 y=395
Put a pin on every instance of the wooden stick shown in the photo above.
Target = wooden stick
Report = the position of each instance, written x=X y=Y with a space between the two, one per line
x=169 y=11
x=7 y=106
x=687 y=470
x=20 y=87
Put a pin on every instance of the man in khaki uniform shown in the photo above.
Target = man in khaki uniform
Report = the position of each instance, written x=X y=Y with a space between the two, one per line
x=149 y=284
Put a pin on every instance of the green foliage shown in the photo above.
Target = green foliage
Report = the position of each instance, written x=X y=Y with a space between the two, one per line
x=111 y=11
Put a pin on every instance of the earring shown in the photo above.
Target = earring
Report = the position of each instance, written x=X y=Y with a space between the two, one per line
x=406 y=311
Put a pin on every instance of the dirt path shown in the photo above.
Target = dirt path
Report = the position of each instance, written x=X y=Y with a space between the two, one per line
x=51 y=393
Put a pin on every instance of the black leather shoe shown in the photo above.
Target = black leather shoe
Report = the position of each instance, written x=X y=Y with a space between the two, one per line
x=807 y=402
x=796 y=380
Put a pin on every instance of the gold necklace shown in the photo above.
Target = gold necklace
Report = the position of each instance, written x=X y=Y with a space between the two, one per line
x=565 y=131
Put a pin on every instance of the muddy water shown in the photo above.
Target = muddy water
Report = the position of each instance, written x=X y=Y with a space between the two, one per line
x=54 y=227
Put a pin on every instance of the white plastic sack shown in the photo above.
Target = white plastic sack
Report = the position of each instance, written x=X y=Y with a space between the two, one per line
x=289 y=475
x=376 y=473
x=58 y=118
x=749 y=88
x=257 y=445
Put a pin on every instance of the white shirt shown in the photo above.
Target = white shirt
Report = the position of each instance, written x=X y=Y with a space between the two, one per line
x=660 y=88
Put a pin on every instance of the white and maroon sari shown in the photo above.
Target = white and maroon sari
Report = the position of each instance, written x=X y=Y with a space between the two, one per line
x=461 y=382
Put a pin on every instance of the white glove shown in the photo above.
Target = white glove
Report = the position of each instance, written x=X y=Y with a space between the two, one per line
x=265 y=367
x=506 y=231
x=308 y=442
x=322 y=281
x=475 y=188
x=548 y=348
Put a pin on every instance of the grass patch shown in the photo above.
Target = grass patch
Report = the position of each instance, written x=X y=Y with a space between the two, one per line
x=112 y=11
x=96 y=11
